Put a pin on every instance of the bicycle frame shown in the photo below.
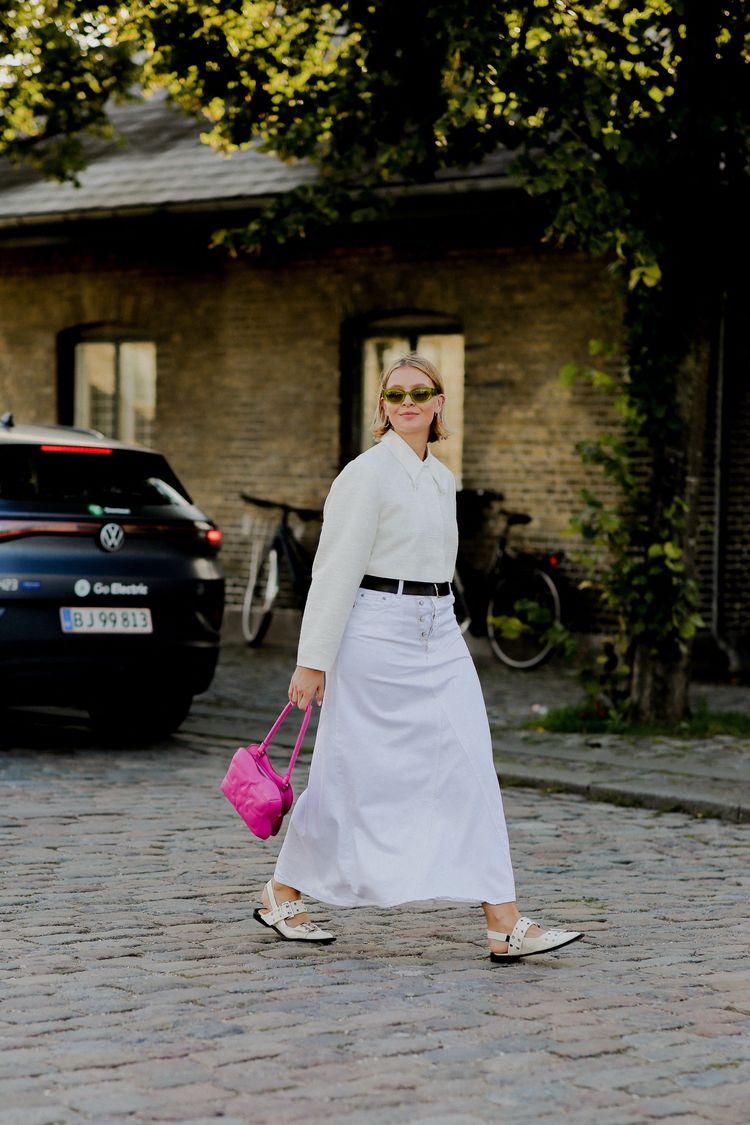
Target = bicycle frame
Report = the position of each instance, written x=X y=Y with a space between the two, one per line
x=476 y=584
x=298 y=560
x=267 y=558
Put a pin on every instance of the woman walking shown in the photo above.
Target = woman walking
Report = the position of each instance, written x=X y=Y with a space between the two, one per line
x=402 y=802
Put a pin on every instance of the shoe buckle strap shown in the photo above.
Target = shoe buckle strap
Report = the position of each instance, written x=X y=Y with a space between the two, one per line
x=285 y=910
x=518 y=933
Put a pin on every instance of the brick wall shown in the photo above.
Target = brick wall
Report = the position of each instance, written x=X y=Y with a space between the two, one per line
x=249 y=362
x=248 y=356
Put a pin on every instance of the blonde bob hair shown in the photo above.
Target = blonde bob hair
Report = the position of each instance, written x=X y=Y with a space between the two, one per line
x=380 y=423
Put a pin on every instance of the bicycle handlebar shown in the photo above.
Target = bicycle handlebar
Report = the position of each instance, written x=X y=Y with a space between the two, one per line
x=303 y=513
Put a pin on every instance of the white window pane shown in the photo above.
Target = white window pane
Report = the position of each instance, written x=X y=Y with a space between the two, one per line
x=379 y=353
x=95 y=387
x=137 y=392
x=447 y=353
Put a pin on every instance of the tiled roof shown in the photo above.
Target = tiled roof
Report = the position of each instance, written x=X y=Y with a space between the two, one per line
x=160 y=163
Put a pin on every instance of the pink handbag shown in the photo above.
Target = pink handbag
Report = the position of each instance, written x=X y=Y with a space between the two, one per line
x=260 y=795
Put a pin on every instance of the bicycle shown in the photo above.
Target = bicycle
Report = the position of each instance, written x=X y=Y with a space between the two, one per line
x=264 y=580
x=517 y=601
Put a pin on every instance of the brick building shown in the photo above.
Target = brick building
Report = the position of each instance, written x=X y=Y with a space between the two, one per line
x=257 y=374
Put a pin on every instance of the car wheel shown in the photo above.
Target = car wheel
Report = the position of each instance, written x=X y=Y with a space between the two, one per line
x=149 y=719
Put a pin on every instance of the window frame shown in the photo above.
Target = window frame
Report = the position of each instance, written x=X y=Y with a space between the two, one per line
x=408 y=322
x=95 y=333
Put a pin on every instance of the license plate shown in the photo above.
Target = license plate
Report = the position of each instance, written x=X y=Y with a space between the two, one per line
x=112 y=619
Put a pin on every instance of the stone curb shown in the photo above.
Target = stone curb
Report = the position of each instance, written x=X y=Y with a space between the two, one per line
x=646 y=797
x=619 y=773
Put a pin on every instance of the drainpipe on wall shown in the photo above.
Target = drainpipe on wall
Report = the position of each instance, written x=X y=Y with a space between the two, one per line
x=719 y=505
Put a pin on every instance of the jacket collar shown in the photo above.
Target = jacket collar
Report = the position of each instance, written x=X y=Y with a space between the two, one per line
x=406 y=457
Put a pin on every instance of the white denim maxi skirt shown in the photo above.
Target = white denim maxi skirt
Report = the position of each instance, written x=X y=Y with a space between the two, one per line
x=403 y=802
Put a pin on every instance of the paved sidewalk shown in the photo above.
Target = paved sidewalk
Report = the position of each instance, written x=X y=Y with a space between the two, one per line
x=709 y=777
x=705 y=777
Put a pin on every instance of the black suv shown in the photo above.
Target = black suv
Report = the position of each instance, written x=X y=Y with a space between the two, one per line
x=111 y=597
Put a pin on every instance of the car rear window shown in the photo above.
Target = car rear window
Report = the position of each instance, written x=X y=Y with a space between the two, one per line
x=116 y=481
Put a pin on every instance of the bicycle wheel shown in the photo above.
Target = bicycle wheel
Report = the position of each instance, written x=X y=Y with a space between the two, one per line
x=260 y=595
x=522 y=610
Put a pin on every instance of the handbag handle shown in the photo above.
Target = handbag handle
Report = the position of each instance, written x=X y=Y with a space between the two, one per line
x=267 y=740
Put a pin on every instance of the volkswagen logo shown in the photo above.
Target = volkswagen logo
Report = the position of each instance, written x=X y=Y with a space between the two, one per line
x=111 y=537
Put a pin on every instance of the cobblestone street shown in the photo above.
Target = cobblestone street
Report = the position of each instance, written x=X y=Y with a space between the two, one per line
x=135 y=984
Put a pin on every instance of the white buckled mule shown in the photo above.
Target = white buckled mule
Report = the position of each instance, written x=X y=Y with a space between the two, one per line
x=275 y=919
x=519 y=945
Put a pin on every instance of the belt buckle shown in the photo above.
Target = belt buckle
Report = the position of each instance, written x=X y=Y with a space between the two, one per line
x=437 y=594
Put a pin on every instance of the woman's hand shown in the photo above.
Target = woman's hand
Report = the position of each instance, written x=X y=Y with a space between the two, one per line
x=306 y=685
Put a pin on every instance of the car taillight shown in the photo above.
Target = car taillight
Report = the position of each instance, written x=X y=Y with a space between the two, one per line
x=74 y=449
x=209 y=534
x=15 y=529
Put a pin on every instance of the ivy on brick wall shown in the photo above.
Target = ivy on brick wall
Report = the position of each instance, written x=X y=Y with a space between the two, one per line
x=634 y=562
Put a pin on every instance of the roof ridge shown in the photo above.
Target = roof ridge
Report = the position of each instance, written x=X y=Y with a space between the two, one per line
x=163 y=164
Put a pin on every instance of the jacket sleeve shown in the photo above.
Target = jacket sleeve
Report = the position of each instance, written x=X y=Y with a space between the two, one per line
x=350 y=525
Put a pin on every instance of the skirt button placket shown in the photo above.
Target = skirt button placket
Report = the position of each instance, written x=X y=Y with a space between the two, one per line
x=422 y=619
x=428 y=620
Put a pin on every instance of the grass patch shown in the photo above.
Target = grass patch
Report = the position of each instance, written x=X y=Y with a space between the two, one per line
x=583 y=720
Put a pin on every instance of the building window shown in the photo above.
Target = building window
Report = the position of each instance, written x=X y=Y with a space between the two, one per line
x=115 y=388
x=431 y=335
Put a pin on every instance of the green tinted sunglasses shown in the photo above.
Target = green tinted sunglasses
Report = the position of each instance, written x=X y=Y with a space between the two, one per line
x=396 y=395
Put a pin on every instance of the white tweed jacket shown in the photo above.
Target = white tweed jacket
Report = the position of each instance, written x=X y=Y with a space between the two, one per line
x=387 y=514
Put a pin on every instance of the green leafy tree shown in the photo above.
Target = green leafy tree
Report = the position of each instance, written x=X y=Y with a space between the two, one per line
x=630 y=117
x=60 y=64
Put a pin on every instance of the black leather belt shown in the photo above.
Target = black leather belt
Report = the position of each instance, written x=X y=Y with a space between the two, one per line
x=391 y=585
